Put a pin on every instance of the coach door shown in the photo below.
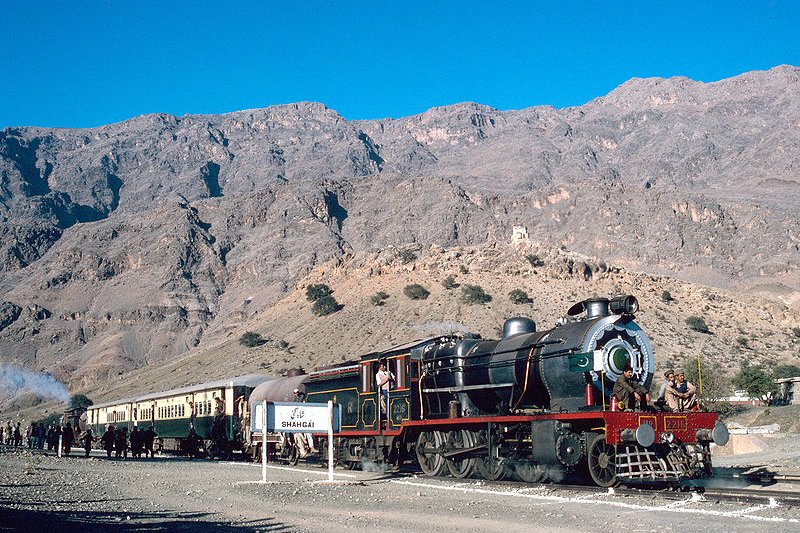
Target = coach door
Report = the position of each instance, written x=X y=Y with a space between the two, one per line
x=399 y=404
x=369 y=395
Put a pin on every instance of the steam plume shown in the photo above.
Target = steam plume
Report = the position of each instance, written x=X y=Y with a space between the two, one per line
x=15 y=380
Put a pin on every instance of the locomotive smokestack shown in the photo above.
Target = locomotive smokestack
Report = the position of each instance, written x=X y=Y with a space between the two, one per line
x=601 y=307
x=597 y=308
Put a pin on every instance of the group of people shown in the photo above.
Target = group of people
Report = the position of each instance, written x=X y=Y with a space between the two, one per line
x=118 y=441
x=10 y=434
x=676 y=393
x=37 y=436
x=114 y=440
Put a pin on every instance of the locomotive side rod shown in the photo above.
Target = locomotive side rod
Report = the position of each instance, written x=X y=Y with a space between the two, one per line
x=464 y=451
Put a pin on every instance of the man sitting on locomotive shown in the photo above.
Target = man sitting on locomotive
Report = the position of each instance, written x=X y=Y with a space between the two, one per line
x=630 y=392
x=661 y=402
x=682 y=396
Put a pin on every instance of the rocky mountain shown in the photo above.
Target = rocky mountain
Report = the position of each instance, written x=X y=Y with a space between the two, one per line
x=130 y=245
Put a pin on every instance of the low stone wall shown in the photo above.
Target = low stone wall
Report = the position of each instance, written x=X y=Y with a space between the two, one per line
x=740 y=444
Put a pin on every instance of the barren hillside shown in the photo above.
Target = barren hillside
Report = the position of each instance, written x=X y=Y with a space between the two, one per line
x=135 y=249
x=298 y=338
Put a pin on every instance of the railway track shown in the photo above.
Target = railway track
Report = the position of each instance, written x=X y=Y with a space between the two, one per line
x=772 y=496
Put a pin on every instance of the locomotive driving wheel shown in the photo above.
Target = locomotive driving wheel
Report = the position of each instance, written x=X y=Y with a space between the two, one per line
x=460 y=466
x=601 y=459
x=489 y=466
x=429 y=456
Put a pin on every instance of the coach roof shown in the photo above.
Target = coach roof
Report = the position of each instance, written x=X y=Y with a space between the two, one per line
x=248 y=380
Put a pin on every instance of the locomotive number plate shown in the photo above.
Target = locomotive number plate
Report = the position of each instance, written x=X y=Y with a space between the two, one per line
x=648 y=420
x=674 y=423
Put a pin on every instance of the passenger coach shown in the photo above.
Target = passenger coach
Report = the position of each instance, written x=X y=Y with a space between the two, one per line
x=173 y=412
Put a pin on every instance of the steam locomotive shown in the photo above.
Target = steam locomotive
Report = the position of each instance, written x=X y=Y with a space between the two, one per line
x=535 y=405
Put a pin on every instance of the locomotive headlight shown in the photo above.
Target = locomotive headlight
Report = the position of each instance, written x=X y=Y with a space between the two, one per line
x=624 y=305
x=720 y=434
x=644 y=435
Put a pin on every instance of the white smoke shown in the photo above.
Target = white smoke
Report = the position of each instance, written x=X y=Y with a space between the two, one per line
x=374 y=466
x=15 y=380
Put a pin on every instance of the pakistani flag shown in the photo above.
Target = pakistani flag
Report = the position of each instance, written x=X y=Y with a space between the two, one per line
x=581 y=362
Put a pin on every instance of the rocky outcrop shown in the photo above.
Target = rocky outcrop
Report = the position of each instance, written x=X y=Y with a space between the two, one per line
x=9 y=312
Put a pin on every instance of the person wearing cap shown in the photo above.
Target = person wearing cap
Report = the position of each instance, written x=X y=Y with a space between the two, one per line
x=304 y=441
x=630 y=392
x=681 y=397
x=669 y=382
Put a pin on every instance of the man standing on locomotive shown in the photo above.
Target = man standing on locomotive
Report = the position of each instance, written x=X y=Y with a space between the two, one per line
x=630 y=392
x=384 y=378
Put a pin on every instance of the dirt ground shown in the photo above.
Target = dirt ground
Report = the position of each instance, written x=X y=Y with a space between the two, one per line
x=766 y=438
x=786 y=416
x=46 y=493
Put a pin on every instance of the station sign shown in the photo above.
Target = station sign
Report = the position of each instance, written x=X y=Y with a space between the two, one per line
x=294 y=417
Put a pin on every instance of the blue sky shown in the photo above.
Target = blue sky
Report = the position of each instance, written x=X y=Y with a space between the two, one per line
x=85 y=63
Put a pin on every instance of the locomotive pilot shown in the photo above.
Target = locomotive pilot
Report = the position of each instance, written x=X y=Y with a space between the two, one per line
x=629 y=392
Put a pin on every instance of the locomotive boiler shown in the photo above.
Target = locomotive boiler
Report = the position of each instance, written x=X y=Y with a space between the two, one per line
x=529 y=370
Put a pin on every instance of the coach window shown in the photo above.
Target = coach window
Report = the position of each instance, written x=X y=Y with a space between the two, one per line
x=368 y=376
x=398 y=367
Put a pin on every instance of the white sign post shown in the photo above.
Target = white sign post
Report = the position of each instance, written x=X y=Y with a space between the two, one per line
x=264 y=441
x=330 y=441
